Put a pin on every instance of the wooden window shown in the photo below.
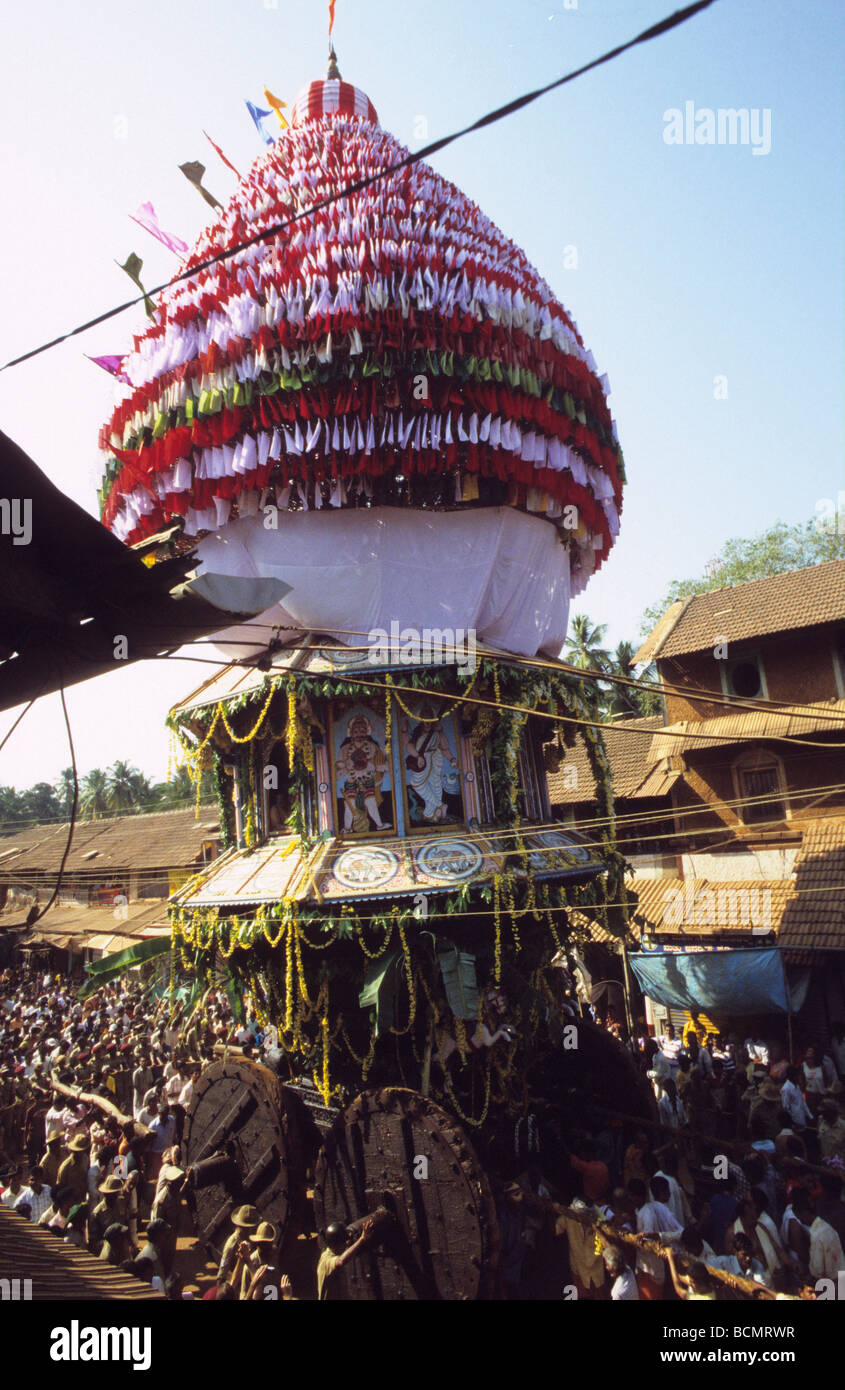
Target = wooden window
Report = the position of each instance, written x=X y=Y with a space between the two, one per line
x=761 y=788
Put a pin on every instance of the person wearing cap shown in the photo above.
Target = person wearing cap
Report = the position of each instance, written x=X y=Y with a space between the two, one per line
x=73 y=1172
x=331 y=1281
x=12 y=1186
x=113 y=1206
x=53 y=1157
x=261 y=1278
x=244 y=1220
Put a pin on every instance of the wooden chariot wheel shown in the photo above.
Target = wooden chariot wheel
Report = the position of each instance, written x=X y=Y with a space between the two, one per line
x=397 y=1153
x=240 y=1138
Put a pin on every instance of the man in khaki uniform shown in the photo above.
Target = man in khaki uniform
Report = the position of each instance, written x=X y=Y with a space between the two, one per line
x=53 y=1158
x=113 y=1207
x=73 y=1173
x=244 y=1220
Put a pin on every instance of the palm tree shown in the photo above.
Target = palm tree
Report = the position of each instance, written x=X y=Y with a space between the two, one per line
x=121 y=786
x=584 y=648
x=94 y=798
x=143 y=788
x=179 y=791
x=64 y=790
x=626 y=700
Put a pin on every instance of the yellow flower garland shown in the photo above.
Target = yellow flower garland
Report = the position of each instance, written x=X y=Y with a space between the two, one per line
x=497 y=924
x=247 y=738
x=468 y=1119
x=409 y=973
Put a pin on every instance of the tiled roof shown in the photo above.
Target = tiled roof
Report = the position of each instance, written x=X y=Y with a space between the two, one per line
x=783 y=603
x=166 y=839
x=63 y=924
x=628 y=743
x=58 y=1271
x=707 y=907
x=787 y=721
x=815 y=915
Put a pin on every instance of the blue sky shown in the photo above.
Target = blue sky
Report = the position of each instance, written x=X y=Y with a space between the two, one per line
x=693 y=262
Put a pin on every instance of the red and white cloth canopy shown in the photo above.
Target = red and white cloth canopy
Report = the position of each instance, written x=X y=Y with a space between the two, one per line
x=332 y=97
x=393 y=348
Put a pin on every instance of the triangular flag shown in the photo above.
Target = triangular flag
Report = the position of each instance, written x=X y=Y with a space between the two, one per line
x=258 y=115
x=114 y=365
x=227 y=162
x=331 y=15
x=193 y=172
x=132 y=267
x=277 y=107
x=146 y=218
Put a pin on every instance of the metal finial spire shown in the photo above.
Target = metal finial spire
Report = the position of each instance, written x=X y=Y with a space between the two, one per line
x=334 y=70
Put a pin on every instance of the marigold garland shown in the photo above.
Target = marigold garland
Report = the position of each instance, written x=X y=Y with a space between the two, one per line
x=409 y=974
x=468 y=1119
x=247 y=738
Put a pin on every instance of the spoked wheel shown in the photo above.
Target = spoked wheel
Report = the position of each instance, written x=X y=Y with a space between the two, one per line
x=243 y=1145
x=438 y=1238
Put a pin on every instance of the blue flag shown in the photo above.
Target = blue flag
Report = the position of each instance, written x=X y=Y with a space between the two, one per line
x=257 y=115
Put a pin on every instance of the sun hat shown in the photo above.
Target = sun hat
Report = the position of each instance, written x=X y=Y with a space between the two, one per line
x=110 y=1184
x=79 y=1143
x=246 y=1217
x=265 y=1234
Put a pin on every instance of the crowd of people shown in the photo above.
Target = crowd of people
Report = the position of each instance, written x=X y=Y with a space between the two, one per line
x=96 y=1158
x=739 y=1174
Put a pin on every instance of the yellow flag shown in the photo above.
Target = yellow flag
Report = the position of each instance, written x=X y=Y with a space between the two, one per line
x=277 y=107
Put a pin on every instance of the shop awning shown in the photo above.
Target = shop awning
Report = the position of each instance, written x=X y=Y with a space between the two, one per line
x=728 y=982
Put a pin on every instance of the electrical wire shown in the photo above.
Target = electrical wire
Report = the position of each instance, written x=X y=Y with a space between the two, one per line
x=34 y=915
x=731 y=703
x=653 y=32
x=24 y=711
x=483 y=836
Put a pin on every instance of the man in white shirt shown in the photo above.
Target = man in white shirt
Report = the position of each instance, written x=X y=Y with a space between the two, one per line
x=670 y=1110
x=741 y=1262
x=653 y=1219
x=826 y=1255
x=793 y=1101
x=677 y=1199
x=623 y=1286
x=36 y=1196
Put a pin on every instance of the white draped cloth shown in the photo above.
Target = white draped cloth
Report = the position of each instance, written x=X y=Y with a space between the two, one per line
x=496 y=570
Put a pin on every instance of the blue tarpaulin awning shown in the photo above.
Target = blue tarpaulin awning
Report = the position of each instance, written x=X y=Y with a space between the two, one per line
x=728 y=982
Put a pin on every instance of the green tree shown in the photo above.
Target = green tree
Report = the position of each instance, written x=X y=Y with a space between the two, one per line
x=626 y=700
x=775 y=551
x=12 y=809
x=583 y=647
x=94 y=801
x=40 y=803
x=64 y=791
x=179 y=791
x=121 y=786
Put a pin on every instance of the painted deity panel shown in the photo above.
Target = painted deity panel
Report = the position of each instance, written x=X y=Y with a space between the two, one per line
x=361 y=771
x=430 y=764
